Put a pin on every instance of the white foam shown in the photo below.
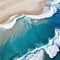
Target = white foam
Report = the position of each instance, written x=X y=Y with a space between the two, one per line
x=49 y=10
x=37 y=56
x=8 y=25
x=55 y=2
x=52 y=47
x=57 y=41
x=52 y=10
x=11 y=22
x=52 y=50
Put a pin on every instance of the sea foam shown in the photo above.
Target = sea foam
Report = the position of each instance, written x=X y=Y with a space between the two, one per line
x=11 y=22
x=49 y=10
x=37 y=56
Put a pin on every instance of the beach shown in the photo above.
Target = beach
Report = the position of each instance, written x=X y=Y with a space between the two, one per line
x=10 y=8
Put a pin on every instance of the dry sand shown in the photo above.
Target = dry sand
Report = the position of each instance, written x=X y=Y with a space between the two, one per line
x=9 y=8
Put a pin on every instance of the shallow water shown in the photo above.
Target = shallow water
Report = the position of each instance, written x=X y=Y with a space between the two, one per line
x=24 y=37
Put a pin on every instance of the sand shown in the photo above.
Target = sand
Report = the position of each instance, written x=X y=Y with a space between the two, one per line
x=9 y=8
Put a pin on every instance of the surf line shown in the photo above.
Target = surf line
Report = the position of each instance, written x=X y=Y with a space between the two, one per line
x=13 y=19
x=52 y=48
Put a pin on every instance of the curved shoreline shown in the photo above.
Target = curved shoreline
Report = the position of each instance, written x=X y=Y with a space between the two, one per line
x=9 y=25
x=47 y=12
x=10 y=8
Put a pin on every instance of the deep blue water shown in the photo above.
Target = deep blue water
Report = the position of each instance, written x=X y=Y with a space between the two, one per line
x=30 y=37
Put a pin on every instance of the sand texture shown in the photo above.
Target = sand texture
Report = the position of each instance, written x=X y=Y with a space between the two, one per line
x=9 y=8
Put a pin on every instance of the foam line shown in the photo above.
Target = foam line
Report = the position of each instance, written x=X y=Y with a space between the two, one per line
x=8 y=25
x=52 y=10
x=55 y=2
x=57 y=41
x=11 y=22
x=52 y=50
x=49 y=11
x=37 y=56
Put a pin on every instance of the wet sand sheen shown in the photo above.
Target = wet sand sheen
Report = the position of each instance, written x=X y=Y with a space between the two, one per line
x=5 y=35
x=9 y=8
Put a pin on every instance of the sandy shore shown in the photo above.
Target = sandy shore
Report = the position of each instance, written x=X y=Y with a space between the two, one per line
x=9 y=8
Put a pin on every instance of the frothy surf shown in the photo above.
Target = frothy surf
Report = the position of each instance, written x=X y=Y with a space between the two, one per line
x=49 y=11
x=10 y=24
x=52 y=48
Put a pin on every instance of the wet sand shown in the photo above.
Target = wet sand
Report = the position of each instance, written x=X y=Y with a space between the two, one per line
x=9 y=8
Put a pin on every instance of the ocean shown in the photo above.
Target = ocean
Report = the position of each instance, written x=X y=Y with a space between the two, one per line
x=29 y=40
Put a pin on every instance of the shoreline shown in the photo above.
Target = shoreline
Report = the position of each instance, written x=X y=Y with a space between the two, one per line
x=12 y=20
x=45 y=14
x=20 y=7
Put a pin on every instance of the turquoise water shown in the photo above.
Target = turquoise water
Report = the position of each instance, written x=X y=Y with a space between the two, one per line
x=55 y=22
x=27 y=37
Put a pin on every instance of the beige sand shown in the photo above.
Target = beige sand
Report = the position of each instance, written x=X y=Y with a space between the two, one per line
x=9 y=8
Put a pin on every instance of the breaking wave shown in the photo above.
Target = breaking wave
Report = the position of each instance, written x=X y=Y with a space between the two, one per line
x=52 y=48
x=49 y=10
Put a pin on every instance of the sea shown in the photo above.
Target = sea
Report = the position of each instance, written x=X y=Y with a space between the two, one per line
x=32 y=39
